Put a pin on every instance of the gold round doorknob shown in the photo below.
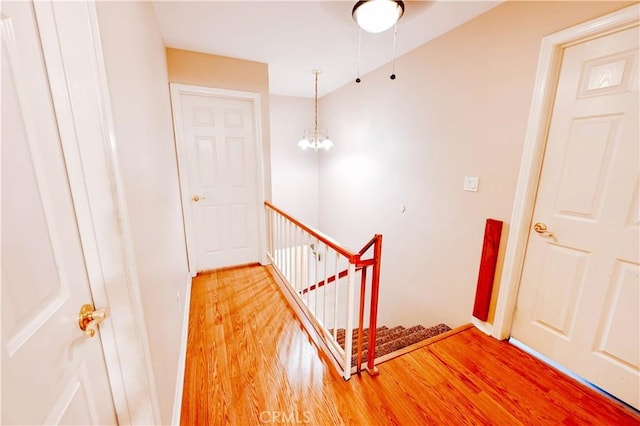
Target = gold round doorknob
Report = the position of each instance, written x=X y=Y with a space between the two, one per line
x=196 y=198
x=89 y=318
x=542 y=229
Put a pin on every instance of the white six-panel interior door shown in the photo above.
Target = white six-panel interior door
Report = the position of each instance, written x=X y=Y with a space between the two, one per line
x=51 y=372
x=217 y=135
x=579 y=294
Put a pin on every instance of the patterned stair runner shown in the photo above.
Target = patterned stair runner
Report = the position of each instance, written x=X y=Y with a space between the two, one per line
x=391 y=339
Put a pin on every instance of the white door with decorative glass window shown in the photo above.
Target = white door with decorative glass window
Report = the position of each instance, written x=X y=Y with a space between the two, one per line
x=217 y=136
x=579 y=295
x=52 y=372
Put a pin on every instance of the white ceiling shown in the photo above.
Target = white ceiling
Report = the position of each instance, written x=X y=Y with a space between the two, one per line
x=295 y=37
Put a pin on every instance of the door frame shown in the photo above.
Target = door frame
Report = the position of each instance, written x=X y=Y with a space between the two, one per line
x=546 y=81
x=72 y=51
x=178 y=89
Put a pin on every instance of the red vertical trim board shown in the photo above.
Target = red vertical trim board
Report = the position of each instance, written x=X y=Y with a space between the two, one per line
x=486 y=275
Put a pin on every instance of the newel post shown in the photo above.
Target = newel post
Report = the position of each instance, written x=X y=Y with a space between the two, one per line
x=373 y=315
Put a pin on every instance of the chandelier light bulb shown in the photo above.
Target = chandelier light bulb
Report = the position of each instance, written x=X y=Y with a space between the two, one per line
x=304 y=143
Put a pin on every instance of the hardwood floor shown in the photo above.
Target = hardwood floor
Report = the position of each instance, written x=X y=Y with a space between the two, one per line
x=249 y=362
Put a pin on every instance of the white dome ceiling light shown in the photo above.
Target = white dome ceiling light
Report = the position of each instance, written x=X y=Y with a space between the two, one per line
x=376 y=16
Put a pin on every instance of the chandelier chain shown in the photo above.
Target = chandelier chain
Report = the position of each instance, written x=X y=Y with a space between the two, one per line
x=315 y=126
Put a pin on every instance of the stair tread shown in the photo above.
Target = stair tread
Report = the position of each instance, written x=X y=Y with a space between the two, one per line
x=380 y=331
x=402 y=339
x=340 y=333
x=398 y=334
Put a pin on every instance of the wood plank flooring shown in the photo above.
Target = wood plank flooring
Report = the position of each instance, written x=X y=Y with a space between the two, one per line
x=249 y=362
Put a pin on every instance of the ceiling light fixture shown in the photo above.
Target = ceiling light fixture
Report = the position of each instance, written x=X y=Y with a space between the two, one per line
x=376 y=16
x=315 y=139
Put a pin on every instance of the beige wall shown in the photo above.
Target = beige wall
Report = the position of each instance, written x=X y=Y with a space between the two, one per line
x=294 y=172
x=459 y=107
x=202 y=69
x=136 y=68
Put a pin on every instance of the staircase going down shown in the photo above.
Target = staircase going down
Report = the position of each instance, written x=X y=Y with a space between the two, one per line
x=389 y=340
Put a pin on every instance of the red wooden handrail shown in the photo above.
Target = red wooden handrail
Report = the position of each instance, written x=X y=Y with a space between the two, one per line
x=362 y=264
x=352 y=257
x=367 y=246
x=329 y=280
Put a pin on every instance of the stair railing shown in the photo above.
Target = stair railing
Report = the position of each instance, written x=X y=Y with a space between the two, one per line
x=320 y=274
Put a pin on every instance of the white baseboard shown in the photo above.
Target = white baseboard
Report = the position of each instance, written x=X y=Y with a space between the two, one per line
x=485 y=327
x=182 y=360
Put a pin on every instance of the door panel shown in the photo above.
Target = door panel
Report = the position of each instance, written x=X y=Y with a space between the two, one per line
x=51 y=372
x=586 y=165
x=75 y=401
x=579 y=298
x=560 y=282
x=220 y=145
x=621 y=305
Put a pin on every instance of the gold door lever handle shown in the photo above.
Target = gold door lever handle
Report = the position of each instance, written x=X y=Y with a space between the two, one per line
x=541 y=229
x=89 y=318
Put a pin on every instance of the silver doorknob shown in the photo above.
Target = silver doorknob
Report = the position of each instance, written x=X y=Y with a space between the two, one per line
x=541 y=229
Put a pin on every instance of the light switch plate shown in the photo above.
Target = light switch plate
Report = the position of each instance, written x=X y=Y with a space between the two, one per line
x=470 y=183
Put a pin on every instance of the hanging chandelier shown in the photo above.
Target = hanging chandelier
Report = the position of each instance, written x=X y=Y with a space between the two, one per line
x=376 y=16
x=315 y=139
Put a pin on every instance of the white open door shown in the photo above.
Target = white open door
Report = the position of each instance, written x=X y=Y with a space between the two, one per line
x=579 y=294
x=220 y=161
x=52 y=372
x=65 y=231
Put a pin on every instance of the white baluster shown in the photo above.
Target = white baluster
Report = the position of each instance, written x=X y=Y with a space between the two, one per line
x=277 y=240
x=279 y=248
x=315 y=281
x=324 y=286
x=335 y=297
x=307 y=276
x=288 y=251
x=270 y=214
x=292 y=247
x=294 y=257
x=300 y=254
x=281 y=245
